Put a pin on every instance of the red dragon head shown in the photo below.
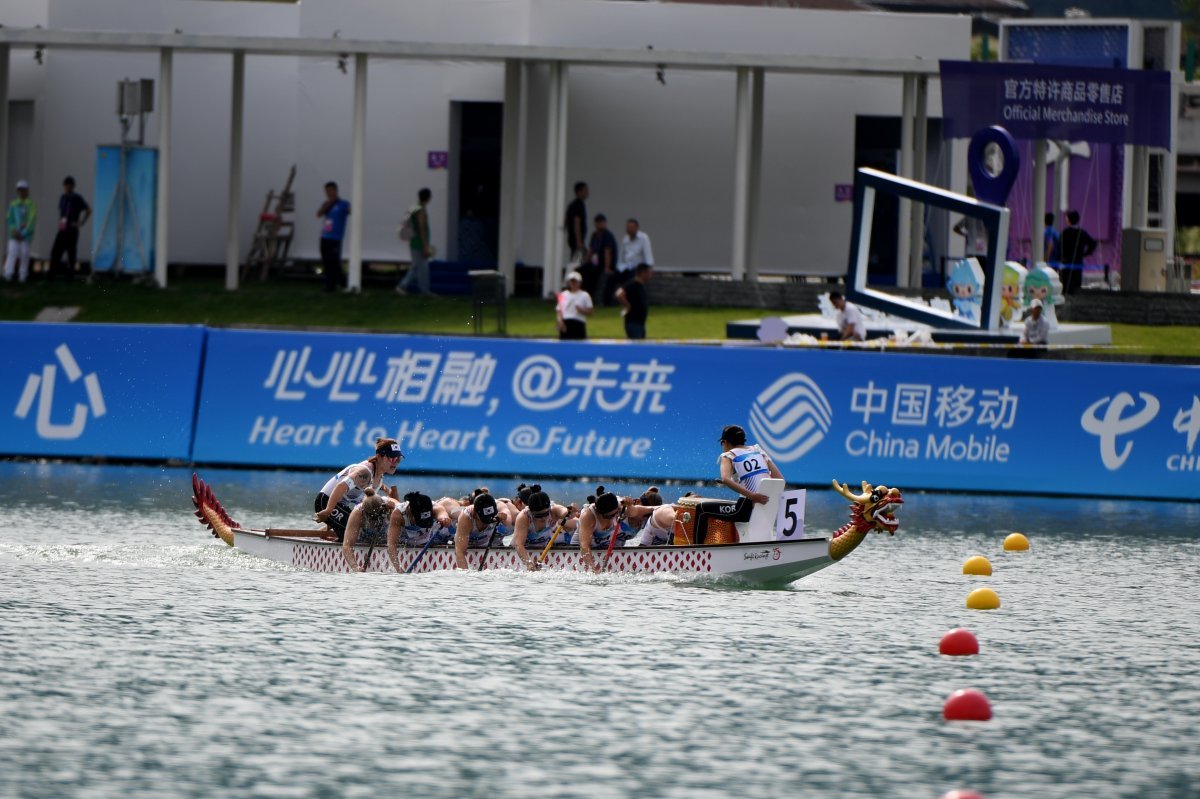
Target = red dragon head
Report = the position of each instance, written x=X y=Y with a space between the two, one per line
x=874 y=509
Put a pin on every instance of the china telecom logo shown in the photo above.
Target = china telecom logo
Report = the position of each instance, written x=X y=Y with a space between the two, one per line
x=41 y=387
x=790 y=417
x=1114 y=423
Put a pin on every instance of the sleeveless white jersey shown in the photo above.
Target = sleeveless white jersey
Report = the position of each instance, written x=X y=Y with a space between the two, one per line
x=354 y=494
x=749 y=465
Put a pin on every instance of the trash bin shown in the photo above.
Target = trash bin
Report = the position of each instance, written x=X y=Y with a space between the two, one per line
x=488 y=289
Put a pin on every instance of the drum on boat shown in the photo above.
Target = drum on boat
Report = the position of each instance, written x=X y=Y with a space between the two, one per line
x=715 y=531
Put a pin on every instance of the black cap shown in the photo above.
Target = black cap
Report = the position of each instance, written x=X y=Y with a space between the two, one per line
x=733 y=434
x=421 y=508
x=389 y=449
x=538 y=502
x=607 y=503
x=485 y=508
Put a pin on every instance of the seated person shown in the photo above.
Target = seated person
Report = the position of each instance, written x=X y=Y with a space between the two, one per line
x=657 y=520
x=744 y=466
x=598 y=523
x=367 y=524
x=537 y=525
x=342 y=492
x=476 y=526
x=417 y=522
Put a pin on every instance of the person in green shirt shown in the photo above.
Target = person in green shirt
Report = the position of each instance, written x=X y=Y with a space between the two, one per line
x=20 y=221
x=419 y=245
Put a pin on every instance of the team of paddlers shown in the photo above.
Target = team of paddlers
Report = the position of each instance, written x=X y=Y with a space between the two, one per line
x=359 y=508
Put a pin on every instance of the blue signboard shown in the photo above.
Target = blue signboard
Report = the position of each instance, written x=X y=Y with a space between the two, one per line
x=1035 y=101
x=116 y=391
x=534 y=408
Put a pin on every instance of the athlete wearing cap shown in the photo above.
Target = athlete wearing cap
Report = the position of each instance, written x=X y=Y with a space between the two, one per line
x=597 y=524
x=574 y=307
x=342 y=492
x=415 y=522
x=535 y=525
x=477 y=523
x=744 y=467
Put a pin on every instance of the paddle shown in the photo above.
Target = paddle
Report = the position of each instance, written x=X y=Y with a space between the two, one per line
x=487 y=550
x=612 y=540
x=553 y=537
x=420 y=554
x=367 y=560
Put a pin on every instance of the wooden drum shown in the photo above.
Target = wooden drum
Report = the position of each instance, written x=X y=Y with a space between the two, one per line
x=716 y=531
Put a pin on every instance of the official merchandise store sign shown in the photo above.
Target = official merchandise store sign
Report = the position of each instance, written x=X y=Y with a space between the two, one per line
x=655 y=412
x=116 y=391
x=1033 y=101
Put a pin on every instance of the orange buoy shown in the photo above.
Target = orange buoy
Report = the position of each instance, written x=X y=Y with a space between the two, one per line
x=962 y=795
x=977 y=565
x=959 y=641
x=983 y=599
x=967 y=705
x=1015 y=542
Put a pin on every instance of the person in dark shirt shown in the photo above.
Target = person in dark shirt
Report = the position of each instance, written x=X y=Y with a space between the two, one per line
x=73 y=213
x=575 y=222
x=635 y=306
x=1074 y=245
x=602 y=259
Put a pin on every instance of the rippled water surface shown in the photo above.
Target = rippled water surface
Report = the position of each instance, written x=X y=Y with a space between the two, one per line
x=145 y=659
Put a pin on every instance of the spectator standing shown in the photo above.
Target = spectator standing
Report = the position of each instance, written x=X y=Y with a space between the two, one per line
x=1050 y=241
x=602 y=259
x=635 y=305
x=635 y=249
x=332 y=213
x=574 y=307
x=575 y=222
x=1075 y=244
x=849 y=319
x=420 y=247
x=21 y=219
x=73 y=213
x=1037 y=327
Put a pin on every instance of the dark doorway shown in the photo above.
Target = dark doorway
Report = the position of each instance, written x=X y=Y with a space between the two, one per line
x=476 y=130
x=877 y=145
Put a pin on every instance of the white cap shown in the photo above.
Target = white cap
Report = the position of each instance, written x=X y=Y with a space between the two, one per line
x=22 y=184
x=1036 y=304
x=574 y=276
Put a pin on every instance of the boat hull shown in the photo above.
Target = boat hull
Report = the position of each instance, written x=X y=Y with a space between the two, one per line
x=770 y=563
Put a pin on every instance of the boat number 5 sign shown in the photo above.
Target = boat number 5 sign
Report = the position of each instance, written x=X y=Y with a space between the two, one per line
x=789 y=524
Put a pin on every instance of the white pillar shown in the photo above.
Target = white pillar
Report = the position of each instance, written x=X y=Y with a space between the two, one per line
x=1169 y=169
x=905 y=167
x=753 y=229
x=4 y=53
x=551 y=279
x=166 y=61
x=741 y=173
x=357 y=168
x=512 y=144
x=916 y=241
x=1037 y=246
x=560 y=185
x=236 y=114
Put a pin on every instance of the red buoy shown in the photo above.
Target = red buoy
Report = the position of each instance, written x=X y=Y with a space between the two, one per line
x=967 y=705
x=962 y=795
x=959 y=641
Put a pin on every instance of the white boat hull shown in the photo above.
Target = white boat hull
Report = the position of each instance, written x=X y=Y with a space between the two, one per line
x=770 y=563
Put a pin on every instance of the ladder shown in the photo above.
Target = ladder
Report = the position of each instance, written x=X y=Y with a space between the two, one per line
x=273 y=238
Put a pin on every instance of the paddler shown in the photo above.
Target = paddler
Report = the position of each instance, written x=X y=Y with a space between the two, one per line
x=657 y=520
x=535 y=525
x=744 y=467
x=415 y=522
x=367 y=524
x=477 y=523
x=342 y=492
x=597 y=524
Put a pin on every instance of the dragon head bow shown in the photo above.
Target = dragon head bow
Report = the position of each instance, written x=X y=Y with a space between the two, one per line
x=874 y=509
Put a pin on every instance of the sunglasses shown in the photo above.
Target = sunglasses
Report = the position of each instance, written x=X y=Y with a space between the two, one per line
x=612 y=515
x=541 y=515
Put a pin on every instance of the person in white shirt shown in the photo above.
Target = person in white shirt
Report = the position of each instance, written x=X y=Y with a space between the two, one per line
x=1037 y=329
x=635 y=249
x=849 y=319
x=574 y=307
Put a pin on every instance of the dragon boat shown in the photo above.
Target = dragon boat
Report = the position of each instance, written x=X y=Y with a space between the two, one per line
x=712 y=538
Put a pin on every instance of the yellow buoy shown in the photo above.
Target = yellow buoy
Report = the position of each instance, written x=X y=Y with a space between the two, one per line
x=977 y=564
x=1016 y=543
x=983 y=599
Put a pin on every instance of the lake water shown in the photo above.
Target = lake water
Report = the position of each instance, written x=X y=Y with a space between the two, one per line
x=143 y=658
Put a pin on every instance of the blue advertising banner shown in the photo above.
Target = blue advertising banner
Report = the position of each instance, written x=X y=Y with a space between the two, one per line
x=117 y=391
x=1035 y=101
x=534 y=408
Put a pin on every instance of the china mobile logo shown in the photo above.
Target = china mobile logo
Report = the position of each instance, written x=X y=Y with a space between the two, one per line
x=790 y=417
x=1114 y=423
x=41 y=388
